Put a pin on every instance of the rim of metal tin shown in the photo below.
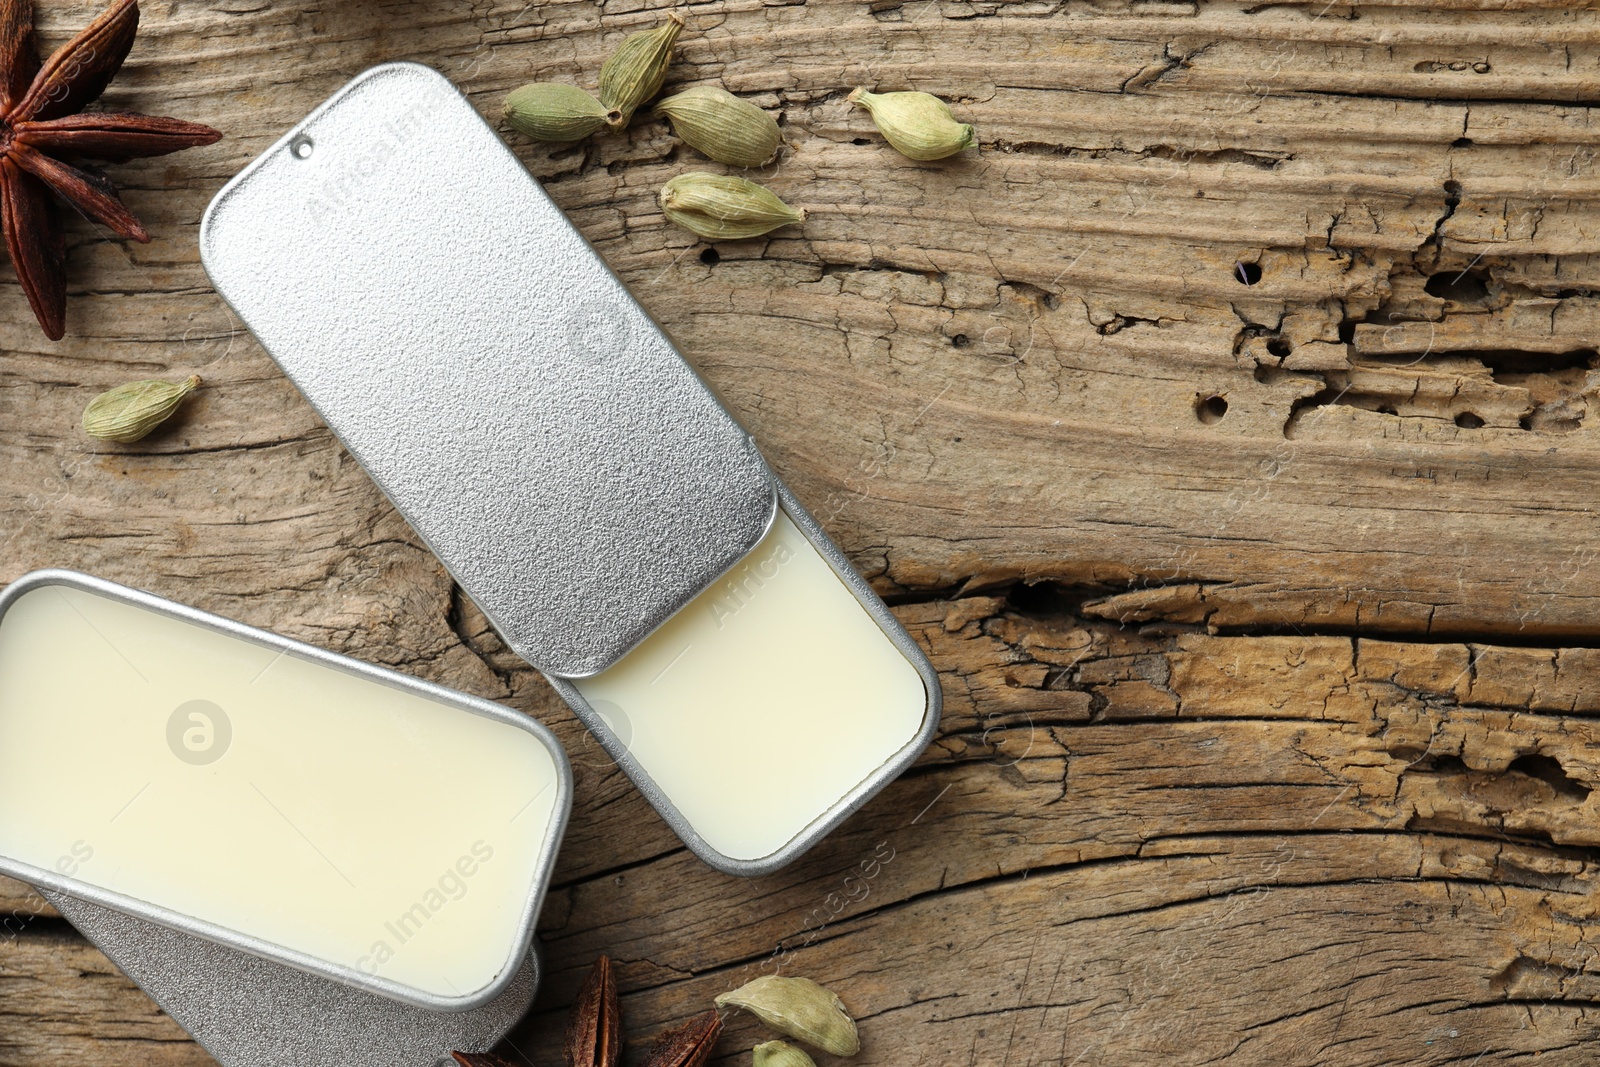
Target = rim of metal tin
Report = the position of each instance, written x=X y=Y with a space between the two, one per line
x=523 y=940
x=852 y=801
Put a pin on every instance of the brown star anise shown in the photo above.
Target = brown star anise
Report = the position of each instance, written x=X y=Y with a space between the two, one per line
x=41 y=130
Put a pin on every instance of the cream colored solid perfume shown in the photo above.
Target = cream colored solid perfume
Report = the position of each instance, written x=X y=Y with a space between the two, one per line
x=265 y=795
x=765 y=701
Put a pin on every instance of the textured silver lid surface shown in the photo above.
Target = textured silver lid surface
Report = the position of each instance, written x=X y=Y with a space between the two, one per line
x=249 y=1012
x=478 y=358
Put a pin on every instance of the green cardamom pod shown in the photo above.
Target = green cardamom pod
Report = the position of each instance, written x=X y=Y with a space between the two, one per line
x=917 y=125
x=637 y=68
x=130 y=411
x=722 y=207
x=724 y=127
x=798 y=1008
x=550 y=111
x=780 y=1054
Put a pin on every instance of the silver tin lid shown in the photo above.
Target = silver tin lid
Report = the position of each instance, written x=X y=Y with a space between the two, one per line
x=478 y=358
x=250 y=1012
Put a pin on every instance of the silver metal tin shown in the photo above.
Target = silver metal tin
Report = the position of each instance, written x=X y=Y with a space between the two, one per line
x=46 y=879
x=543 y=348
x=518 y=406
x=250 y=1012
x=847 y=804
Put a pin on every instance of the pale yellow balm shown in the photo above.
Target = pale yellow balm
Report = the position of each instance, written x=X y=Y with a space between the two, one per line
x=278 y=798
x=767 y=700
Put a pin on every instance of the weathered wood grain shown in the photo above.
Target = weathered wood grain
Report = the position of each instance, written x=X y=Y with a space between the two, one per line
x=1185 y=846
x=19 y=900
x=1266 y=613
x=61 y=1001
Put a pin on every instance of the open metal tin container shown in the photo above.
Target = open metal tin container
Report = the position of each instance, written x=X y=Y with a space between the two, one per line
x=604 y=725
x=181 y=772
x=542 y=435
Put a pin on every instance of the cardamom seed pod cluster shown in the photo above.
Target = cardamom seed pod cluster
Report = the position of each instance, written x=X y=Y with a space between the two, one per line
x=723 y=127
x=795 y=1007
x=707 y=118
x=553 y=111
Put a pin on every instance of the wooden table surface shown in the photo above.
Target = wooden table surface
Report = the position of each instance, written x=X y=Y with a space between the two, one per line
x=1268 y=615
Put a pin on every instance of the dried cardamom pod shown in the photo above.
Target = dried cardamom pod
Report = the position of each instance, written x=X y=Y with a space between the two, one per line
x=479 y=1059
x=689 y=1045
x=128 y=412
x=798 y=1008
x=550 y=111
x=723 y=207
x=780 y=1054
x=594 y=1032
x=724 y=127
x=917 y=125
x=637 y=68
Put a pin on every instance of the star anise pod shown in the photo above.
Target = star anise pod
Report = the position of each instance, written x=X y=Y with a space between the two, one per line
x=42 y=136
x=594 y=1030
x=689 y=1045
x=479 y=1059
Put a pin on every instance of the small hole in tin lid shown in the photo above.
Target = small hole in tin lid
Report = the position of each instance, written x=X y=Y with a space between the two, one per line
x=300 y=147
